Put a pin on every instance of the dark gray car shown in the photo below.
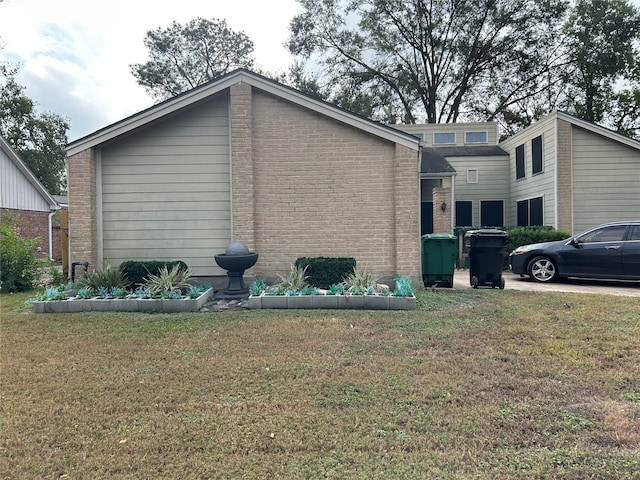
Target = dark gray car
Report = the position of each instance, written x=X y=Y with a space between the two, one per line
x=610 y=251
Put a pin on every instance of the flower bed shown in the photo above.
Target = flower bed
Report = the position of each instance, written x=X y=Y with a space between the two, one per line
x=347 y=302
x=360 y=292
x=131 y=303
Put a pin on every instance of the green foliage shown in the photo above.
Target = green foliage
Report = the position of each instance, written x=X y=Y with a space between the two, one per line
x=415 y=62
x=519 y=236
x=108 y=277
x=57 y=277
x=326 y=271
x=196 y=291
x=358 y=282
x=38 y=138
x=18 y=263
x=185 y=56
x=257 y=287
x=136 y=270
x=336 y=289
x=85 y=293
x=167 y=281
x=403 y=287
x=296 y=280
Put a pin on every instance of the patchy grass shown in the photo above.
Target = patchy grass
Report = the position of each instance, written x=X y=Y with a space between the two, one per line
x=475 y=384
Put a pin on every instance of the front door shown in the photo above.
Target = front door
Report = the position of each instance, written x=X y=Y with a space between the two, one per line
x=426 y=218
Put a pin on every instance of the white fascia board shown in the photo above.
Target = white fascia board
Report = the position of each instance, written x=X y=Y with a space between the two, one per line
x=605 y=132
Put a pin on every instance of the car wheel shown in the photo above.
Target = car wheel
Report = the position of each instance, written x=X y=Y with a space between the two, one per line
x=541 y=269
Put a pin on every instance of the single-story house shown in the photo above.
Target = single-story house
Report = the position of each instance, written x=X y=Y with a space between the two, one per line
x=23 y=197
x=244 y=158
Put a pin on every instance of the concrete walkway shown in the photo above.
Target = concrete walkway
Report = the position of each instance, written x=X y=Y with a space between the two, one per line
x=515 y=282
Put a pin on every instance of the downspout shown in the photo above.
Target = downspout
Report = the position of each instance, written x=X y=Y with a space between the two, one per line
x=452 y=203
x=51 y=214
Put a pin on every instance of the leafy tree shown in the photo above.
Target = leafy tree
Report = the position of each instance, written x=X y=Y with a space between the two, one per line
x=430 y=60
x=39 y=138
x=183 y=57
x=602 y=38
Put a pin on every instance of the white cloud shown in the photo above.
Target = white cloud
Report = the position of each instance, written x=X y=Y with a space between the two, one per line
x=75 y=54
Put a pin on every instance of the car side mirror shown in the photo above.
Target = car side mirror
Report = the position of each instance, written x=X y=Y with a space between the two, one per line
x=576 y=243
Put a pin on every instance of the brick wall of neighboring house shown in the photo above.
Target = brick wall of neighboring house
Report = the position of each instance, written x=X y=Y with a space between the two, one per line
x=320 y=188
x=564 y=177
x=30 y=224
x=81 y=186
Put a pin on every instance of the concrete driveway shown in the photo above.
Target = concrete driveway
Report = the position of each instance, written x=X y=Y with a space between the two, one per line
x=515 y=282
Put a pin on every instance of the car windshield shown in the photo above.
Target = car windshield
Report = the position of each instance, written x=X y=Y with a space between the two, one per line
x=613 y=233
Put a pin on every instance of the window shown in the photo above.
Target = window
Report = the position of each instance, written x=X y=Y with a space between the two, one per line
x=520 y=172
x=530 y=212
x=492 y=213
x=605 y=234
x=536 y=155
x=444 y=138
x=635 y=233
x=472 y=175
x=475 y=137
x=464 y=217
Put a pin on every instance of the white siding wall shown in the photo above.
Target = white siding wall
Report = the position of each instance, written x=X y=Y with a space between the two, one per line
x=493 y=181
x=166 y=191
x=538 y=185
x=606 y=180
x=16 y=191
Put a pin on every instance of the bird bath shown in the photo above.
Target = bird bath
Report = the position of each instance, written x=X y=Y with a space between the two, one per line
x=235 y=261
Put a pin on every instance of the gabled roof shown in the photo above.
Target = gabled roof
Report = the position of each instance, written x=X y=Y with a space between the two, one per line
x=592 y=127
x=28 y=174
x=207 y=90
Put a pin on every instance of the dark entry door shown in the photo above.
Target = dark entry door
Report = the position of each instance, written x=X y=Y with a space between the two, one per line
x=426 y=218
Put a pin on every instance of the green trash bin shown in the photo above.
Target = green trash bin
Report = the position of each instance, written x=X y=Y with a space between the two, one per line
x=438 y=259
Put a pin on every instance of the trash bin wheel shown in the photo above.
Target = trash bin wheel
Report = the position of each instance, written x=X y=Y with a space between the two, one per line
x=474 y=282
x=501 y=283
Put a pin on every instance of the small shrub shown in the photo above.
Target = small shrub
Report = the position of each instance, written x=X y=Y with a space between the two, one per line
x=326 y=271
x=403 y=287
x=296 y=280
x=85 y=293
x=358 y=282
x=108 y=277
x=103 y=292
x=336 y=289
x=18 y=262
x=136 y=271
x=309 y=290
x=142 y=292
x=196 y=291
x=257 y=287
x=168 y=280
x=117 y=292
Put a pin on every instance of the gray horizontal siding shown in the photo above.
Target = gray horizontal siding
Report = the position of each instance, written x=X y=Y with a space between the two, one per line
x=606 y=180
x=166 y=191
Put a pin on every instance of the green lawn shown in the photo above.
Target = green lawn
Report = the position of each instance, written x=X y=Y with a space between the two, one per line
x=472 y=385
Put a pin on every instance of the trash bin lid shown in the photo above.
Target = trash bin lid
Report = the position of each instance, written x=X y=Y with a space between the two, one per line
x=486 y=232
x=438 y=236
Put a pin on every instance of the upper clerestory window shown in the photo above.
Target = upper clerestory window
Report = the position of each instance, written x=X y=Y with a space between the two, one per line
x=444 y=138
x=476 y=137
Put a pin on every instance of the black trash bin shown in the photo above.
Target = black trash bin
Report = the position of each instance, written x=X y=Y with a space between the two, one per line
x=487 y=249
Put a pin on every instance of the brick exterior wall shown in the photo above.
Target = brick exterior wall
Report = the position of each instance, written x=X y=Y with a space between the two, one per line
x=81 y=185
x=321 y=188
x=29 y=224
x=564 y=177
x=441 y=220
x=302 y=185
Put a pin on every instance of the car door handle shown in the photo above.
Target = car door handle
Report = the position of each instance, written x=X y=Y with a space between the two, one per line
x=612 y=247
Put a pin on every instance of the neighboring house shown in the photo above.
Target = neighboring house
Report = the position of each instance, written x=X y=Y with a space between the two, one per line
x=572 y=174
x=244 y=158
x=562 y=172
x=24 y=198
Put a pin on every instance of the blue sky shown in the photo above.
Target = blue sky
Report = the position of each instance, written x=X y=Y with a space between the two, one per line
x=75 y=54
